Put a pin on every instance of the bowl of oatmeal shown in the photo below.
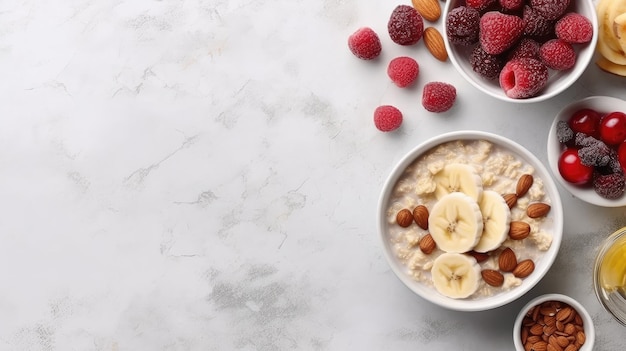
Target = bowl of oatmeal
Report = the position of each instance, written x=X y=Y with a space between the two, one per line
x=470 y=220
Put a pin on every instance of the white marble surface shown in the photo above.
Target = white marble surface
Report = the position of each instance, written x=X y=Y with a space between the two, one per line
x=203 y=175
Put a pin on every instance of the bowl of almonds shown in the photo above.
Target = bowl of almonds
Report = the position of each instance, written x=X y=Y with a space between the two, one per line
x=553 y=322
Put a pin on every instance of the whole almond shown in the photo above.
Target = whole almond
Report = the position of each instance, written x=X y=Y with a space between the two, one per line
x=519 y=230
x=570 y=347
x=537 y=209
x=427 y=244
x=507 y=260
x=420 y=214
x=524 y=269
x=553 y=347
x=540 y=346
x=492 y=277
x=404 y=218
x=429 y=9
x=564 y=313
x=479 y=256
x=562 y=341
x=580 y=338
x=511 y=199
x=434 y=43
x=523 y=184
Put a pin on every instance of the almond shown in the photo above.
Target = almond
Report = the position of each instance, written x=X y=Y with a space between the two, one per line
x=420 y=214
x=519 y=230
x=570 y=347
x=507 y=261
x=429 y=9
x=434 y=43
x=540 y=346
x=537 y=209
x=511 y=199
x=523 y=184
x=479 y=256
x=524 y=269
x=427 y=244
x=492 y=277
x=564 y=313
x=404 y=218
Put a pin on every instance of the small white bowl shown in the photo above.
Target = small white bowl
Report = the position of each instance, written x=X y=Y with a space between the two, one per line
x=585 y=193
x=588 y=327
x=553 y=224
x=557 y=82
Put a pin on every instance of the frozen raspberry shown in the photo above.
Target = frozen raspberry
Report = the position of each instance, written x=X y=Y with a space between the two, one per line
x=387 y=118
x=511 y=5
x=557 y=54
x=574 y=28
x=438 y=96
x=479 y=5
x=364 y=43
x=535 y=25
x=499 y=31
x=403 y=71
x=609 y=186
x=564 y=133
x=526 y=47
x=596 y=154
x=550 y=9
x=486 y=65
x=523 y=78
x=462 y=25
x=406 y=25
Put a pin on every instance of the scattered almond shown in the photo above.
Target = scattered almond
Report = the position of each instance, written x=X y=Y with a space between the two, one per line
x=524 y=184
x=519 y=230
x=492 y=277
x=420 y=214
x=537 y=209
x=511 y=199
x=427 y=244
x=429 y=9
x=404 y=218
x=434 y=43
x=524 y=269
x=507 y=260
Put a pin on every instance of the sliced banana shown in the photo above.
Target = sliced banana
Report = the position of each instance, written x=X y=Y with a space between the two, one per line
x=611 y=67
x=455 y=222
x=611 y=35
x=458 y=177
x=496 y=221
x=455 y=275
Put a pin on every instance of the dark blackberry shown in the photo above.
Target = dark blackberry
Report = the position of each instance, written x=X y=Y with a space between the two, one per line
x=486 y=65
x=462 y=25
x=609 y=186
x=564 y=133
x=535 y=25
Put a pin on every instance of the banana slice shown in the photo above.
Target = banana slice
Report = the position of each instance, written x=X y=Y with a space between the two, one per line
x=455 y=275
x=611 y=34
x=458 y=177
x=455 y=222
x=496 y=221
x=611 y=67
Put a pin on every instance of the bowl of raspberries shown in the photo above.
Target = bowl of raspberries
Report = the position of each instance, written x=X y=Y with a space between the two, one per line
x=521 y=50
x=587 y=150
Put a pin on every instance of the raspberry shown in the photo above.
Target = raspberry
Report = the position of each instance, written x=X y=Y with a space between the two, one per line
x=550 y=9
x=558 y=54
x=511 y=5
x=403 y=71
x=536 y=25
x=609 y=186
x=486 y=65
x=438 y=96
x=364 y=43
x=405 y=25
x=564 y=133
x=526 y=47
x=387 y=118
x=523 y=78
x=499 y=31
x=462 y=25
x=596 y=154
x=574 y=28
x=479 y=5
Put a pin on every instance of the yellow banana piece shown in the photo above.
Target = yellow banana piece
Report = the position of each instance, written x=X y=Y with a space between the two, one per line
x=612 y=36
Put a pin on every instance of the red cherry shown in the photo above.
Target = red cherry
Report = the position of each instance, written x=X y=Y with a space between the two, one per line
x=585 y=121
x=621 y=155
x=613 y=128
x=572 y=170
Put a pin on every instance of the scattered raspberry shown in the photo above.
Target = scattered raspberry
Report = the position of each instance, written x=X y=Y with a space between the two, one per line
x=403 y=71
x=550 y=9
x=523 y=78
x=526 y=47
x=486 y=65
x=479 y=5
x=387 y=118
x=405 y=25
x=609 y=186
x=499 y=31
x=558 y=54
x=511 y=5
x=462 y=25
x=438 y=96
x=564 y=133
x=364 y=43
x=596 y=154
x=536 y=25
x=574 y=28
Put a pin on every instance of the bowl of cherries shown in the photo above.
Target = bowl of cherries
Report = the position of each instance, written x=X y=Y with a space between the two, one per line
x=587 y=150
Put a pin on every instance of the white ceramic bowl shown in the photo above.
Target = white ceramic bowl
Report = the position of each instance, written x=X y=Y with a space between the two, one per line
x=598 y=103
x=552 y=224
x=557 y=82
x=588 y=327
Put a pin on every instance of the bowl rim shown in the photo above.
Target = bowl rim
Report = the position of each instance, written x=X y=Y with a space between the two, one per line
x=505 y=297
x=554 y=150
x=576 y=71
x=590 y=334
